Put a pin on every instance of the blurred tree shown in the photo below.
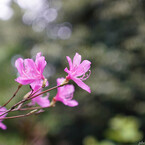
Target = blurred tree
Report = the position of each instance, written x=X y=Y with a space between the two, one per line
x=110 y=34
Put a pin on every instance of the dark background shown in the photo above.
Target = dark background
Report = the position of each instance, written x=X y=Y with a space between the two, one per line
x=109 y=33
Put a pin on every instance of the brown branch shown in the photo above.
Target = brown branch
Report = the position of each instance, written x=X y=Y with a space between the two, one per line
x=30 y=98
x=52 y=104
x=34 y=111
x=12 y=96
x=19 y=116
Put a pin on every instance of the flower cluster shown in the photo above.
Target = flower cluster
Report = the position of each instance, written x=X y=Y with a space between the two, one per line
x=31 y=73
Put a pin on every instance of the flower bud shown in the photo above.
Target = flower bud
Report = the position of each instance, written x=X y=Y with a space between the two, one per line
x=27 y=95
x=44 y=83
x=33 y=111
x=65 y=82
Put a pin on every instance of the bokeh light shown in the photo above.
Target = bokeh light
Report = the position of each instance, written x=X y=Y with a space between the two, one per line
x=6 y=11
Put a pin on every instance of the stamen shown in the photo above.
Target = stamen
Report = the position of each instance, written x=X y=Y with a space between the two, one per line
x=86 y=76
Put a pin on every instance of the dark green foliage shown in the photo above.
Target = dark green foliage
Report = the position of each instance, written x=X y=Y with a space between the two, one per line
x=109 y=33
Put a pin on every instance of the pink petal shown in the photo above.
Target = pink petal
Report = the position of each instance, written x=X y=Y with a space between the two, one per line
x=76 y=60
x=82 y=84
x=57 y=97
x=30 y=68
x=67 y=91
x=36 y=85
x=65 y=94
x=66 y=70
x=42 y=101
x=70 y=62
x=24 y=81
x=83 y=68
x=2 y=110
x=32 y=103
x=59 y=90
x=19 y=65
x=2 y=126
x=40 y=62
x=71 y=103
x=60 y=80
x=38 y=55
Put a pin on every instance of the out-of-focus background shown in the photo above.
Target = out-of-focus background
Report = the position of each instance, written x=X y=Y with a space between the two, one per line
x=109 y=33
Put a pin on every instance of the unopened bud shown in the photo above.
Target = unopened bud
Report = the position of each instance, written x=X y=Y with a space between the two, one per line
x=53 y=102
x=65 y=82
x=44 y=83
x=27 y=95
x=33 y=111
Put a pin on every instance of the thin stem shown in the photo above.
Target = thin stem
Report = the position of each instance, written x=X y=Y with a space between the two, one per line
x=19 y=116
x=13 y=107
x=32 y=94
x=12 y=96
x=31 y=108
x=52 y=104
x=6 y=112
x=34 y=111
x=43 y=86
x=29 y=98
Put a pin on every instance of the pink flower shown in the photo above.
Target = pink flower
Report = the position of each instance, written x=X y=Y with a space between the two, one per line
x=65 y=94
x=2 y=110
x=78 y=70
x=42 y=101
x=30 y=71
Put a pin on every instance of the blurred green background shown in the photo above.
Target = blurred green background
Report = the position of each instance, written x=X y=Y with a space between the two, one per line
x=109 y=33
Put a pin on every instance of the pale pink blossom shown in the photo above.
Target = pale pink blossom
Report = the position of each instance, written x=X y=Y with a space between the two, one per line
x=77 y=71
x=65 y=94
x=30 y=71
x=2 y=110
x=40 y=100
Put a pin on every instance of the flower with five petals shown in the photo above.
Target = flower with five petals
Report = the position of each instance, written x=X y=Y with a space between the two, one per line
x=77 y=71
x=30 y=71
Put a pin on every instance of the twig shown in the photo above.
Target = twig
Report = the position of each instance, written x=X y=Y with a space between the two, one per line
x=34 y=110
x=12 y=96
x=19 y=116
x=52 y=104
x=29 y=98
